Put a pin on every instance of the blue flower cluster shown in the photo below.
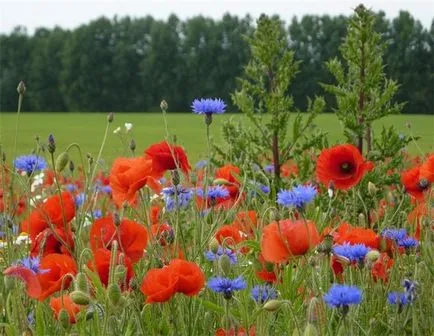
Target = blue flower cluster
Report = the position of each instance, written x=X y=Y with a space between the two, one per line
x=400 y=237
x=397 y=298
x=183 y=197
x=208 y=106
x=297 y=197
x=80 y=199
x=33 y=264
x=406 y=297
x=263 y=293
x=211 y=256
x=341 y=296
x=226 y=286
x=355 y=252
x=214 y=193
x=30 y=163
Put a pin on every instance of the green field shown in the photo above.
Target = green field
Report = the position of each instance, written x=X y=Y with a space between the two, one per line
x=87 y=129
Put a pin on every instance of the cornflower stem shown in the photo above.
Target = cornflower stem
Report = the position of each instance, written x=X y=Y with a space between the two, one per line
x=227 y=320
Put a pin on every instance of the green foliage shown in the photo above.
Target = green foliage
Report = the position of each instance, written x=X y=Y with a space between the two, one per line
x=363 y=93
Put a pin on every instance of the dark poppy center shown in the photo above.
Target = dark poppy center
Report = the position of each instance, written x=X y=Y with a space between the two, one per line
x=347 y=167
x=423 y=184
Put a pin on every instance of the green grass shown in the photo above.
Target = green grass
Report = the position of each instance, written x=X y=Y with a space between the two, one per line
x=87 y=129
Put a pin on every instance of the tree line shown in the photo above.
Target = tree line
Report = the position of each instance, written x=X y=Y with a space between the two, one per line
x=126 y=64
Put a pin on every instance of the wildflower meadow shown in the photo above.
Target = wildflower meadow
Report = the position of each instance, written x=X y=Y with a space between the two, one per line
x=275 y=231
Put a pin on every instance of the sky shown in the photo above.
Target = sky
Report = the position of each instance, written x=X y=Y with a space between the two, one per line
x=72 y=13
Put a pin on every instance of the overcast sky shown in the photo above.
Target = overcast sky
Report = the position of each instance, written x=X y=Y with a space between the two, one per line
x=72 y=13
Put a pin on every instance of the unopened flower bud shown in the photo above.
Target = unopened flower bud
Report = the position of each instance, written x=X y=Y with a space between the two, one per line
x=214 y=245
x=175 y=177
x=110 y=117
x=81 y=283
x=79 y=297
x=114 y=293
x=51 y=144
x=61 y=161
x=116 y=219
x=362 y=220
x=63 y=318
x=89 y=158
x=224 y=263
x=371 y=257
x=120 y=273
x=164 y=106
x=372 y=189
x=272 y=305
x=326 y=245
x=71 y=166
x=133 y=145
x=21 y=88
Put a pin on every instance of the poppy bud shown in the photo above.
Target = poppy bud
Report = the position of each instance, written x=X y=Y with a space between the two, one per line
x=114 y=293
x=79 y=297
x=372 y=189
x=110 y=117
x=362 y=220
x=116 y=219
x=81 y=283
x=164 y=106
x=272 y=305
x=21 y=88
x=71 y=166
x=133 y=145
x=51 y=144
x=310 y=330
x=63 y=317
x=372 y=255
x=224 y=264
x=120 y=273
x=326 y=245
x=214 y=245
x=61 y=161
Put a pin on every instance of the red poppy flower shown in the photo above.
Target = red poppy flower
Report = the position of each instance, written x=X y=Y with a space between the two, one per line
x=413 y=183
x=427 y=169
x=355 y=235
x=155 y=213
x=190 y=277
x=236 y=332
x=52 y=241
x=228 y=235
x=167 y=157
x=228 y=176
x=48 y=213
x=267 y=271
x=131 y=236
x=246 y=221
x=381 y=268
x=65 y=302
x=416 y=216
x=128 y=175
x=159 y=284
x=285 y=239
x=342 y=165
x=102 y=259
x=288 y=169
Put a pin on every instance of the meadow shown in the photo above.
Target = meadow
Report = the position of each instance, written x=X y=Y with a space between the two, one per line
x=87 y=129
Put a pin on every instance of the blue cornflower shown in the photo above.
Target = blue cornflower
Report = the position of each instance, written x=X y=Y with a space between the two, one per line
x=226 y=286
x=211 y=256
x=263 y=293
x=342 y=296
x=355 y=252
x=183 y=197
x=80 y=199
x=269 y=168
x=33 y=264
x=71 y=187
x=103 y=188
x=297 y=197
x=408 y=242
x=97 y=213
x=208 y=106
x=201 y=164
x=30 y=163
x=410 y=288
x=394 y=234
x=398 y=298
x=214 y=193
x=264 y=188
x=31 y=319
